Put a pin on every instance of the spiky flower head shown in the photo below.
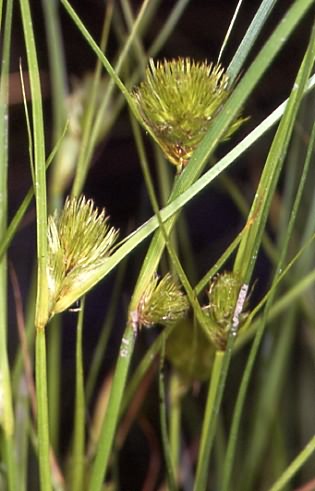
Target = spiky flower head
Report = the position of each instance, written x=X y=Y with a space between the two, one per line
x=227 y=299
x=163 y=302
x=177 y=103
x=79 y=241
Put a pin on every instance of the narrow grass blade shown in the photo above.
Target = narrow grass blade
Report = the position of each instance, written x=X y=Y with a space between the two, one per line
x=39 y=159
x=78 y=458
x=294 y=467
x=250 y=37
x=6 y=403
x=228 y=34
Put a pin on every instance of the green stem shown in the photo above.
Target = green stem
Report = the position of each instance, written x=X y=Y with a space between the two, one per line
x=175 y=420
x=209 y=423
x=295 y=465
x=170 y=469
x=10 y=462
x=54 y=374
x=41 y=315
x=57 y=65
x=113 y=409
x=78 y=441
x=42 y=412
x=100 y=349
x=6 y=406
x=86 y=146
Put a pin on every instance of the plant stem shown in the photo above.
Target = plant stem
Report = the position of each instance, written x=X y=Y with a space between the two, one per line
x=41 y=315
x=42 y=411
x=295 y=465
x=209 y=421
x=175 y=419
x=111 y=417
x=170 y=469
x=54 y=339
x=6 y=406
x=78 y=441
x=10 y=462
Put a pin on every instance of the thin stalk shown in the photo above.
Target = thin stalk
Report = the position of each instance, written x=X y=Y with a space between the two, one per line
x=170 y=469
x=42 y=411
x=41 y=314
x=138 y=46
x=21 y=432
x=113 y=73
x=218 y=375
x=6 y=406
x=89 y=120
x=241 y=203
x=10 y=461
x=57 y=65
x=294 y=467
x=110 y=421
x=100 y=349
x=22 y=209
x=77 y=467
x=168 y=27
x=228 y=34
x=54 y=336
x=268 y=400
x=250 y=37
x=175 y=421
x=143 y=368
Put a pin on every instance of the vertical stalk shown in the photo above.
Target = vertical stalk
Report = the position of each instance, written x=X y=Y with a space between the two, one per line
x=112 y=413
x=175 y=421
x=170 y=469
x=6 y=409
x=219 y=372
x=57 y=65
x=86 y=145
x=41 y=314
x=78 y=440
x=42 y=411
x=54 y=378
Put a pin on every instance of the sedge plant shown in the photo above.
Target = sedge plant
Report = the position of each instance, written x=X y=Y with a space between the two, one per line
x=202 y=354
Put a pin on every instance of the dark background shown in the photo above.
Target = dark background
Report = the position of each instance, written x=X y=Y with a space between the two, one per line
x=115 y=180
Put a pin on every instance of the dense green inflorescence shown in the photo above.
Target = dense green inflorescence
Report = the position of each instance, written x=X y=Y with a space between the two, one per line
x=177 y=103
x=79 y=241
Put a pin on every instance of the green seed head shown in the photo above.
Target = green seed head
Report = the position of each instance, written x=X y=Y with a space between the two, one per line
x=223 y=296
x=177 y=103
x=79 y=241
x=163 y=302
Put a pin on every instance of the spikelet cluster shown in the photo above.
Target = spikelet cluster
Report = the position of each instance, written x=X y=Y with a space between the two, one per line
x=177 y=103
x=227 y=299
x=79 y=241
x=162 y=303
